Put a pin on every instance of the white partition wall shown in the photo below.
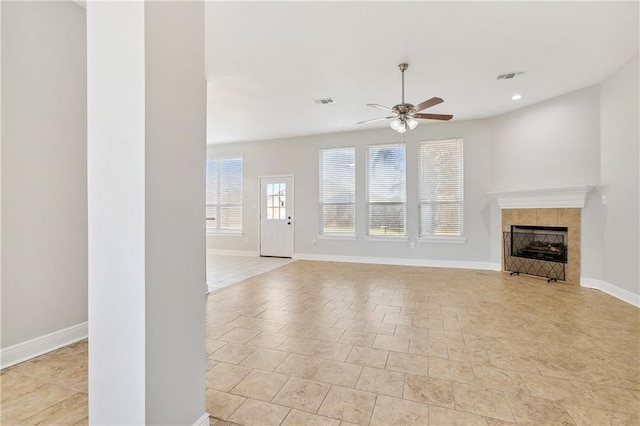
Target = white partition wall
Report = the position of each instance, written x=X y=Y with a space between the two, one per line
x=116 y=190
x=175 y=158
x=146 y=158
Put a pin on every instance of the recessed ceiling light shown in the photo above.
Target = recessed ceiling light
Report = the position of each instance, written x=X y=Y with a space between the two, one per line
x=516 y=96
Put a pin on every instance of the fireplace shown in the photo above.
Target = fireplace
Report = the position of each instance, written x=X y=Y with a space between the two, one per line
x=549 y=208
x=536 y=250
x=548 y=243
x=542 y=242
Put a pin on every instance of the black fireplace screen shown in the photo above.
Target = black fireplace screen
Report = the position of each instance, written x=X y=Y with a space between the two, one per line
x=542 y=243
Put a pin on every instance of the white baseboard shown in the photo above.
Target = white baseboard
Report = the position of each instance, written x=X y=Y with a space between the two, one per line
x=615 y=291
x=202 y=421
x=245 y=253
x=435 y=263
x=24 y=351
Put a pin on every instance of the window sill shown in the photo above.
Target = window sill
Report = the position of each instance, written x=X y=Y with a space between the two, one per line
x=443 y=239
x=398 y=238
x=336 y=237
x=224 y=233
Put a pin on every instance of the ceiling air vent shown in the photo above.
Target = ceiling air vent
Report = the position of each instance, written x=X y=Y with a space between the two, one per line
x=325 y=101
x=510 y=75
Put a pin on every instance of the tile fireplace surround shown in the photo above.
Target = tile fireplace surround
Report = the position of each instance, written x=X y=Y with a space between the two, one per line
x=547 y=207
x=569 y=218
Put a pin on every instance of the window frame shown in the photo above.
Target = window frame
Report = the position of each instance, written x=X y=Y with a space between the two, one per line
x=217 y=230
x=369 y=236
x=322 y=234
x=441 y=238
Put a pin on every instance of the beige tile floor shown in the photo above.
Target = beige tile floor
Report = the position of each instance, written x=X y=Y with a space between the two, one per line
x=315 y=343
x=50 y=389
x=224 y=270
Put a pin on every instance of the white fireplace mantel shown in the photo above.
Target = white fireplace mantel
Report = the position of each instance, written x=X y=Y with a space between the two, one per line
x=564 y=198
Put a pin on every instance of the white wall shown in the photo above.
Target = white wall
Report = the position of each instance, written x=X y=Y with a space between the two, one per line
x=44 y=201
x=555 y=144
x=299 y=156
x=1 y=174
x=619 y=162
x=552 y=144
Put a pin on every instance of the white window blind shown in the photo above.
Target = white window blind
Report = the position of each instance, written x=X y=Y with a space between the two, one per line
x=224 y=194
x=441 y=187
x=386 y=189
x=337 y=191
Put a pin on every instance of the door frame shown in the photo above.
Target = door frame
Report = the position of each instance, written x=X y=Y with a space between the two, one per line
x=290 y=201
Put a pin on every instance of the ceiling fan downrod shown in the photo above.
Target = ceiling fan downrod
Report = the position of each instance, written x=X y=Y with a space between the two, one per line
x=403 y=67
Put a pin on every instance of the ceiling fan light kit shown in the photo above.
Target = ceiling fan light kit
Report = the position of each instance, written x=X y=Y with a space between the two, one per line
x=401 y=126
x=405 y=114
x=398 y=125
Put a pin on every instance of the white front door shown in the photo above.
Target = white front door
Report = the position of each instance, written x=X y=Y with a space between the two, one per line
x=276 y=216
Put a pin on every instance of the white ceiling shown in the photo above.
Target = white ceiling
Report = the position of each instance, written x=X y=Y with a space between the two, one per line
x=268 y=61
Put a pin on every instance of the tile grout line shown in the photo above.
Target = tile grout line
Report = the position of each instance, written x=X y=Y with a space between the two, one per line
x=374 y=408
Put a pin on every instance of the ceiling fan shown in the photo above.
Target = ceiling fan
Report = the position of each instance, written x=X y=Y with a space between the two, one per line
x=405 y=114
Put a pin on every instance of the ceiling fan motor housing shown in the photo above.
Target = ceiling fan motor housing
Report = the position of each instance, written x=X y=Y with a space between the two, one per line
x=403 y=108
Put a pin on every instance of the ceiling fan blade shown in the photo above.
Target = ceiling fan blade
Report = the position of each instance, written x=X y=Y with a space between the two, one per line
x=380 y=107
x=428 y=103
x=444 y=117
x=375 y=119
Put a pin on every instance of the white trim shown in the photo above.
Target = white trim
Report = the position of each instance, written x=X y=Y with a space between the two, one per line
x=447 y=239
x=220 y=233
x=224 y=252
x=396 y=238
x=568 y=197
x=336 y=237
x=203 y=420
x=434 y=263
x=24 y=351
x=615 y=291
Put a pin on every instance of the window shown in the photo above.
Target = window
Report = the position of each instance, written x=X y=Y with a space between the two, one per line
x=441 y=187
x=224 y=195
x=276 y=201
x=337 y=191
x=386 y=193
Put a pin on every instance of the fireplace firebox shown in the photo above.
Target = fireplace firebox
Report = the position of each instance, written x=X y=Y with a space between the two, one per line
x=536 y=250
x=539 y=242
